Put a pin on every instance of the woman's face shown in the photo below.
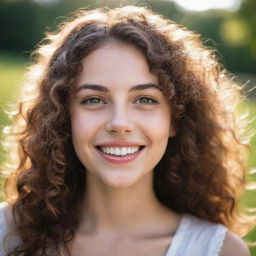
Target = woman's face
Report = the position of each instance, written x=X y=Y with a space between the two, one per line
x=119 y=117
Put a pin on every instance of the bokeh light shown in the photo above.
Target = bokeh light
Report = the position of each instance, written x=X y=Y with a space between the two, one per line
x=203 y=5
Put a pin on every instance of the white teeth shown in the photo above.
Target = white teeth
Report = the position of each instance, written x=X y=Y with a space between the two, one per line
x=119 y=151
x=123 y=151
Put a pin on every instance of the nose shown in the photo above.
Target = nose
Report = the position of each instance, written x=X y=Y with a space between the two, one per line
x=119 y=121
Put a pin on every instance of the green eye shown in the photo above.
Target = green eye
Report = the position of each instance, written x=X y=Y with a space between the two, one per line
x=99 y=101
x=146 y=100
x=92 y=101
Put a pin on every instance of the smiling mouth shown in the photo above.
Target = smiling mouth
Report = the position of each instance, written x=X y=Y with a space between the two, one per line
x=120 y=151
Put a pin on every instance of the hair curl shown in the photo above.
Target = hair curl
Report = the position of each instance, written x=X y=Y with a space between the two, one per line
x=203 y=169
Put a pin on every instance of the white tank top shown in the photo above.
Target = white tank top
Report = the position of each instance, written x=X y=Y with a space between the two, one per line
x=194 y=237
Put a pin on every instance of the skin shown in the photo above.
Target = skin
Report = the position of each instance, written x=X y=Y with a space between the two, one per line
x=120 y=211
x=233 y=245
x=118 y=115
x=120 y=203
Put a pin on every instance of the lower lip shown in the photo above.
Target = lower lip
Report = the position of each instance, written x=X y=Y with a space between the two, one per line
x=120 y=159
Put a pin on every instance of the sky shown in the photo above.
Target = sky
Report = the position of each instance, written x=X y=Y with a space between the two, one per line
x=203 y=5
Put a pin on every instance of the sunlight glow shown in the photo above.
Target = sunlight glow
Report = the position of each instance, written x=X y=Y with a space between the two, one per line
x=47 y=2
x=203 y=5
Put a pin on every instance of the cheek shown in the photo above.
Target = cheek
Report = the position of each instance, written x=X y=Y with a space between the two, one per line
x=84 y=125
x=156 y=124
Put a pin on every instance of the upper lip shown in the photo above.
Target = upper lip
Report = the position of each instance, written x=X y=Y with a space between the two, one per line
x=120 y=144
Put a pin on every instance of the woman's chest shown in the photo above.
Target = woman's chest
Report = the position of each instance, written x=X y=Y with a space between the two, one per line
x=109 y=246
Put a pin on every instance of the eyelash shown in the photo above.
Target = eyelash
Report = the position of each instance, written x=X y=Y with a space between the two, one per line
x=85 y=101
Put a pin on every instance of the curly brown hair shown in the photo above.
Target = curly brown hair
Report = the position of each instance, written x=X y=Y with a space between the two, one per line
x=203 y=169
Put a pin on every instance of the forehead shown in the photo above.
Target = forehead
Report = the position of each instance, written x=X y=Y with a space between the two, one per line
x=116 y=63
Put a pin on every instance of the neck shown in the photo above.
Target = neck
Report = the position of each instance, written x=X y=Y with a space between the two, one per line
x=129 y=208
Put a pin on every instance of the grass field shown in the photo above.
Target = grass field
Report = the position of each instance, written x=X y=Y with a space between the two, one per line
x=11 y=73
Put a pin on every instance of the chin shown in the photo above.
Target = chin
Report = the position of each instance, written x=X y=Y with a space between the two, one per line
x=119 y=181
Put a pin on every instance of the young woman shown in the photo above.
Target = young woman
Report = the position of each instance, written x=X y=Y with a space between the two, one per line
x=125 y=142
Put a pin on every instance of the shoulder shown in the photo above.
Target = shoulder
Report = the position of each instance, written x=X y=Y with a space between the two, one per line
x=218 y=239
x=233 y=245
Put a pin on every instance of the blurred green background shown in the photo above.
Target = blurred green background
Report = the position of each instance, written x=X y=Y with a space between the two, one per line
x=228 y=27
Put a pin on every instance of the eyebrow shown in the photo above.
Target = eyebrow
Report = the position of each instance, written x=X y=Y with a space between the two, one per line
x=101 y=88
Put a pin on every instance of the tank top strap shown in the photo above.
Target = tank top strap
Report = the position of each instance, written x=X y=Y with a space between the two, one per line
x=197 y=237
x=7 y=241
x=3 y=226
